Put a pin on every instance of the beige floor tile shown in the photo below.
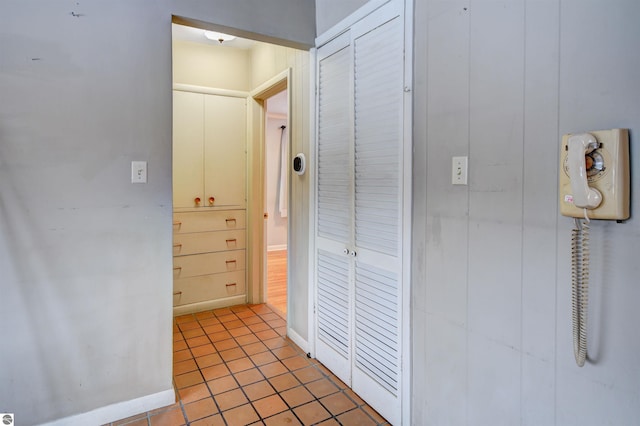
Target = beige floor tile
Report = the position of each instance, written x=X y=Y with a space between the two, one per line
x=249 y=376
x=203 y=350
x=188 y=379
x=215 y=372
x=215 y=420
x=337 y=403
x=309 y=374
x=185 y=366
x=356 y=417
x=200 y=409
x=208 y=360
x=284 y=382
x=222 y=384
x=285 y=418
x=194 y=393
x=322 y=387
x=259 y=390
x=297 y=396
x=312 y=413
x=231 y=399
x=173 y=417
x=270 y=406
x=242 y=415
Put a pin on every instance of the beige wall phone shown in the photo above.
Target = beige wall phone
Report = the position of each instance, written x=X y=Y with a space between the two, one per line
x=594 y=184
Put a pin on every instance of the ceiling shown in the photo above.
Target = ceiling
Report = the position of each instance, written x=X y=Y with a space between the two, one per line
x=196 y=35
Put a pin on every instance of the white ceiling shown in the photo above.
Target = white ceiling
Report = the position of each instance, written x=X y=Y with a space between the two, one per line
x=196 y=35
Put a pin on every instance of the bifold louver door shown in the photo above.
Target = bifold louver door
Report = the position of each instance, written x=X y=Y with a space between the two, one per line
x=334 y=271
x=360 y=208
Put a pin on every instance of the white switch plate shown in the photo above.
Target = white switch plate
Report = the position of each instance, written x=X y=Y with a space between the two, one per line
x=138 y=172
x=459 y=170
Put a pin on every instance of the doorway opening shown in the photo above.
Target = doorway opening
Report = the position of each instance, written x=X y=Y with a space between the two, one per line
x=276 y=149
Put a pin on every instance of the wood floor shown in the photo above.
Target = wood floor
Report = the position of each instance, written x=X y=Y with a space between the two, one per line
x=277 y=280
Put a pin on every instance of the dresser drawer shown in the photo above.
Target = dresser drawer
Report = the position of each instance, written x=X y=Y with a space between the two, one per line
x=208 y=287
x=203 y=242
x=213 y=220
x=208 y=263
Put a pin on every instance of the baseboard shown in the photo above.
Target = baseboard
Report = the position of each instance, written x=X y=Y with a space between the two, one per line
x=277 y=247
x=298 y=340
x=209 y=304
x=120 y=410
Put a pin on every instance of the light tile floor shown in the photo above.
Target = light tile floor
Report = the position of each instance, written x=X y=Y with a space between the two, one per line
x=234 y=366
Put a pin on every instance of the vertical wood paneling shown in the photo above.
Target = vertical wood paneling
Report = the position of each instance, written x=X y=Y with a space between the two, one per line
x=541 y=141
x=495 y=174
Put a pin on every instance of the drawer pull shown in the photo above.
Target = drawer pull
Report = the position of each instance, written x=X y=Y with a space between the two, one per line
x=177 y=223
x=229 y=222
x=232 y=240
x=230 y=261
x=230 y=284
x=177 y=293
x=177 y=268
x=177 y=245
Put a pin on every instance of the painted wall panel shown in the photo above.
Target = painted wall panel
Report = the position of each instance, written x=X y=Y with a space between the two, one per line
x=535 y=72
x=85 y=255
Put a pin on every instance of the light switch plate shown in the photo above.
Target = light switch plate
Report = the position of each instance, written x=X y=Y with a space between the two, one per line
x=138 y=172
x=459 y=170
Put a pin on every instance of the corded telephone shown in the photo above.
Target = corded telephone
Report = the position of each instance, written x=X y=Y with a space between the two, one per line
x=594 y=184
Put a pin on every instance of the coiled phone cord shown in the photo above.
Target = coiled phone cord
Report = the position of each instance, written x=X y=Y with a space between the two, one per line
x=580 y=288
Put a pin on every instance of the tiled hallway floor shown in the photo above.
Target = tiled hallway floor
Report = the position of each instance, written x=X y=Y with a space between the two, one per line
x=233 y=367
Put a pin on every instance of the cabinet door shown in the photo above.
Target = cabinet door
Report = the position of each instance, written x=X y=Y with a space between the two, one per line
x=225 y=158
x=188 y=146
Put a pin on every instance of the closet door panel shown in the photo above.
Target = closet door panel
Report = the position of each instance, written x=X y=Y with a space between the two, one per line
x=378 y=191
x=334 y=147
x=334 y=226
x=225 y=155
x=188 y=137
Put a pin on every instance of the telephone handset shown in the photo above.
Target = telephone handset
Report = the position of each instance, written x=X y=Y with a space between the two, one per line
x=594 y=184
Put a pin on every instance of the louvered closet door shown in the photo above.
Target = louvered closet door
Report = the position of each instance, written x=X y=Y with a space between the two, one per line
x=334 y=208
x=378 y=105
x=360 y=198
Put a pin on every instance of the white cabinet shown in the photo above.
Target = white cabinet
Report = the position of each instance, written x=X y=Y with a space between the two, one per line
x=360 y=199
x=209 y=200
x=209 y=150
x=208 y=259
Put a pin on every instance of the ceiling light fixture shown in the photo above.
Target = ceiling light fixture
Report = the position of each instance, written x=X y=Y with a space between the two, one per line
x=220 y=37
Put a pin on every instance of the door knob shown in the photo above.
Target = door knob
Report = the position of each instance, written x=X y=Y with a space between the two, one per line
x=211 y=200
x=197 y=201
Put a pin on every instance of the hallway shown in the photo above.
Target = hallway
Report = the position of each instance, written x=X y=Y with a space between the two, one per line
x=232 y=366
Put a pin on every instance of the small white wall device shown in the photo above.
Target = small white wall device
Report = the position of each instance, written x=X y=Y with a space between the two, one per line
x=299 y=164
x=594 y=184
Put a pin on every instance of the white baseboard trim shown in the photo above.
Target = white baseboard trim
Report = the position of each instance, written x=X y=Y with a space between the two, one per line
x=298 y=340
x=120 y=410
x=209 y=304
x=277 y=247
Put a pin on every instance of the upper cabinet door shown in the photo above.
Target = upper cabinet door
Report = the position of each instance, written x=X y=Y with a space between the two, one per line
x=188 y=148
x=225 y=151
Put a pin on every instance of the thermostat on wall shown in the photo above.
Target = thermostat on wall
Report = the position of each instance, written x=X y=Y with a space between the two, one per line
x=299 y=164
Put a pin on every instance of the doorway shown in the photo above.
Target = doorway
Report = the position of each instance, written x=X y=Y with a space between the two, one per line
x=276 y=149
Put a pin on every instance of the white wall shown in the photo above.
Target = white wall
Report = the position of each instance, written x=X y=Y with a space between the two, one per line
x=276 y=224
x=330 y=12
x=501 y=82
x=85 y=255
